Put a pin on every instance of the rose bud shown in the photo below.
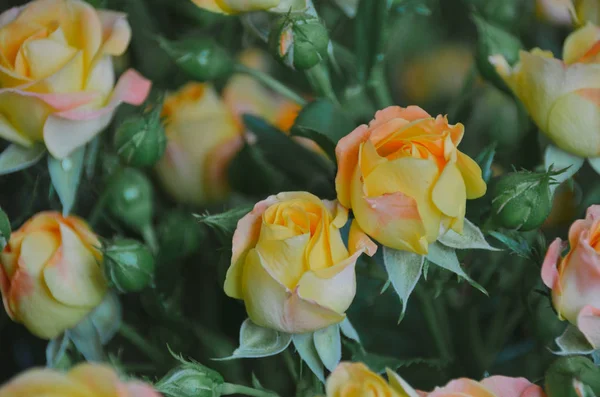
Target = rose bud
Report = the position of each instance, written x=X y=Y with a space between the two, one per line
x=300 y=41
x=51 y=274
x=90 y=380
x=290 y=265
x=131 y=199
x=202 y=138
x=191 y=379
x=128 y=264
x=57 y=77
x=522 y=200
x=405 y=179
x=574 y=278
x=561 y=96
x=140 y=141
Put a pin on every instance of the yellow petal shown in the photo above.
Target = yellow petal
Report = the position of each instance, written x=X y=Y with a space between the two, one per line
x=37 y=249
x=102 y=379
x=471 y=173
x=306 y=316
x=11 y=134
x=46 y=56
x=284 y=259
x=580 y=42
x=359 y=241
x=449 y=193
x=44 y=382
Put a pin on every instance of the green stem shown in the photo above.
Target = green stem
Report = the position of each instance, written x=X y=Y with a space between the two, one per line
x=318 y=77
x=379 y=85
x=98 y=207
x=141 y=343
x=291 y=366
x=272 y=83
x=429 y=312
x=230 y=388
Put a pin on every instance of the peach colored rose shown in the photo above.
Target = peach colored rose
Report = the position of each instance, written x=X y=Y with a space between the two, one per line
x=202 y=137
x=56 y=74
x=290 y=265
x=50 y=274
x=89 y=380
x=575 y=278
x=405 y=179
x=494 y=386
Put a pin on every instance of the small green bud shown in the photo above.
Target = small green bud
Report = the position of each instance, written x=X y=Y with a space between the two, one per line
x=191 y=379
x=131 y=199
x=4 y=229
x=522 y=200
x=300 y=41
x=567 y=373
x=494 y=40
x=180 y=235
x=128 y=264
x=202 y=58
x=140 y=140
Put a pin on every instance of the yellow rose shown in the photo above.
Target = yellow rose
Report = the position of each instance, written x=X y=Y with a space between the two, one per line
x=56 y=73
x=50 y=274
x=558 y=12
x=245 y=95
x=290 y=265
x=239 y=6
x=202 y=136
x=587 y=11
x=89 y=380
x=356 y=380
x=405 y=179
x=562 y=97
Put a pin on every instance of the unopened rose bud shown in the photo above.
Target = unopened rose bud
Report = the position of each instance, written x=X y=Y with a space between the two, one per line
x=191 y=379
x=202 y=58
x=131 y=199
x=4 y=229
x=140 y=140
x=129 y=265
x=300 y=41
x=522 y=200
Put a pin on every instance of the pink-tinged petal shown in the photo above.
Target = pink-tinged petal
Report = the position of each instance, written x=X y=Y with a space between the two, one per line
x=577 y=228
x=410 y=113
x=43 y=382
x=462 y=387
x=116 y=32
x=550 y=265
x=102 y=379
x=346 y=152
x=304 y=316
x=244 y=238
x=5 y=291
x=59 y=102
x=10 y=15
x=359 y=241
x=73 y=275
x=138 y=389
x=333 y=288
x=504 y=386
x=588 y=322
x=217 y=165
x=66 y=131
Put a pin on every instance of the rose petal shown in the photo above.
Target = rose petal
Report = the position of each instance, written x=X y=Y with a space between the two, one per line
x=504 y=386
x=588 y=322
x=347 y=151
x=549 y=267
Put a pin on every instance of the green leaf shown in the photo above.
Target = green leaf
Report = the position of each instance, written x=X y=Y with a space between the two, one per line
x=485 y=159
x=349 y=331
x=66 y=175
x=370 y=23
x=324 y=123
x=572 y=342
x=514 y=242
x=471 y=238
x=562 y=373
x=56 y=351
x=558 y=159
x=329 y=346
x=404 y=271
x=86 y=339
x=107 y=317
x=224 y=223
x=5 y=230
x=17 y=158
x=256 y=342
x=305 y=345
x=446 y=258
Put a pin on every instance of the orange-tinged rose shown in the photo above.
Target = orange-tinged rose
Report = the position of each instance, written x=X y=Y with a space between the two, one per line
x=494 y=386
x=561 y=96
x=57 y=82
x=575 y=278
x=405 y=179
x=89 y=380
x=50 y=274
x=356 y=380
x=202 y=137
x=290 y=265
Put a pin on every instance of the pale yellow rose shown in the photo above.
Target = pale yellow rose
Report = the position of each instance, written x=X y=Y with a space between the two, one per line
x=202 y=137
x=587 y=11
x=561 y=96
x=239 y=6
x=89 y=380
x=50 y=274
x=405 y=179
x=57 y=83
x=558 y=12
x=290 y=265
x=356 y=380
